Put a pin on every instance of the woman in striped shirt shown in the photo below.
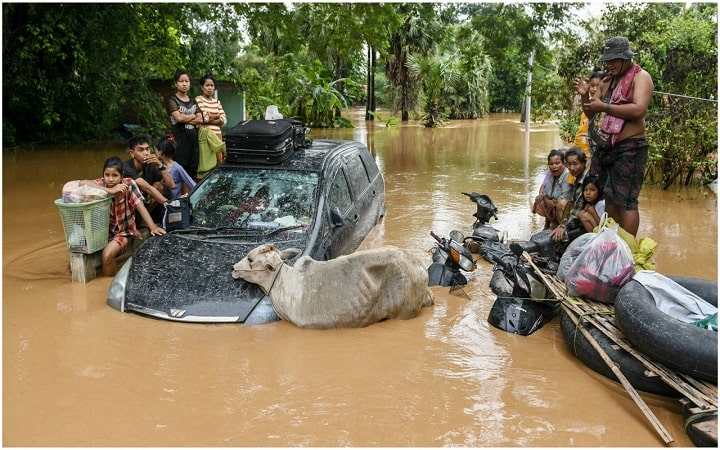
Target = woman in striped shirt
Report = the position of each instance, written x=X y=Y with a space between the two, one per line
x=214 y=117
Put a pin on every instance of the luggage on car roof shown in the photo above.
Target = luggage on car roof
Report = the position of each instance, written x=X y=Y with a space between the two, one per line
x=264 y=141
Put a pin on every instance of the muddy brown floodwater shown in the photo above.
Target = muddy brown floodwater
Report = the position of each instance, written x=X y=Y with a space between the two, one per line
x=78 y=373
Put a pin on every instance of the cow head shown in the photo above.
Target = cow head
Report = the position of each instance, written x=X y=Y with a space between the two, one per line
x=262 y=261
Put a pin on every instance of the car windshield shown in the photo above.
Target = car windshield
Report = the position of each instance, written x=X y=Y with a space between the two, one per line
x=263 y=199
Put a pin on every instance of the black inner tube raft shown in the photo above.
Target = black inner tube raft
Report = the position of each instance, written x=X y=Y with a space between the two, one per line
x=631 y=367
x=681 y=346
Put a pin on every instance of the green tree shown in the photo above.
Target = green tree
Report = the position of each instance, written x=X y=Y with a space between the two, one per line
x=516 y=30
x=677 y=45
x=471 y=98
x=272 y=27
x=438 y=77
x=683 y=130
x=417 y=35
x=65 y=79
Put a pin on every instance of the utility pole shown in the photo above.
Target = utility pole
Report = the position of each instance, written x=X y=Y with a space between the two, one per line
x=528 y=89
x=370 y=102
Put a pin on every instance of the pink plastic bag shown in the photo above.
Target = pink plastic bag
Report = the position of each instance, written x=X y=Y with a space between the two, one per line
x=603 y=267
x=72 y=192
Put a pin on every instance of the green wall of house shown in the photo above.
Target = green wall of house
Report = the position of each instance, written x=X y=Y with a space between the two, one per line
x=233 y=103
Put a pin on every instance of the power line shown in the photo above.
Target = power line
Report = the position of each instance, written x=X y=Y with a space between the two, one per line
x=685 y=96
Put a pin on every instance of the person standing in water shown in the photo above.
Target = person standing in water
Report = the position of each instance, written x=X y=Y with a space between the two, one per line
x=624 y=96
x=185 y=116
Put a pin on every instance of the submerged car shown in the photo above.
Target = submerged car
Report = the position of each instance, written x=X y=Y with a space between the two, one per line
x=324 y=200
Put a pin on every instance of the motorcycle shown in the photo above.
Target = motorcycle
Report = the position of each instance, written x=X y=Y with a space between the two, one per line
x=449 y=257
x=486 y=210
x=544 y=250
x=516 y=308
x=520 y=306
x=453 y=254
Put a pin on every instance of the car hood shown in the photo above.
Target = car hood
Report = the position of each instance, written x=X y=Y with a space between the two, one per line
x=181 y=278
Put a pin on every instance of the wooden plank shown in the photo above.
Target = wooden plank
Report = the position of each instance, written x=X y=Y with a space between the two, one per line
x=671 y=378
x=88 y=266
x=701 y=393
x=85 y=266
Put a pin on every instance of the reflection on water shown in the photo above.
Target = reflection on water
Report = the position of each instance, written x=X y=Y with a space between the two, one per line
x=77 y=373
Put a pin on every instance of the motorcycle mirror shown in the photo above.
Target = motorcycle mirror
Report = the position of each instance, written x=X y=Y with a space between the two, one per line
x=517 y=249
x=336 y=218
x=457 y=236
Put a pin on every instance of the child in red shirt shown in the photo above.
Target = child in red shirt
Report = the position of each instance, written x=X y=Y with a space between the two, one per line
x=126 y=199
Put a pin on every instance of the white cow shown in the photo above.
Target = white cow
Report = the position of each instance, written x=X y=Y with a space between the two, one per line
x=350 y=291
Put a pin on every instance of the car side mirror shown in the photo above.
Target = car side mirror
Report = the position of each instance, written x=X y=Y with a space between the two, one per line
x=336 y=218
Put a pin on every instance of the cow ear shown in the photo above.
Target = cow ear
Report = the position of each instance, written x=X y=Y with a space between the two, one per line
x=289 y=253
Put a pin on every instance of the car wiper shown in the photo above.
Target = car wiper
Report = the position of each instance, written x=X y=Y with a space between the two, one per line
x=227 y=232
x=202 y=230
x=280 y=230
x=230 y=232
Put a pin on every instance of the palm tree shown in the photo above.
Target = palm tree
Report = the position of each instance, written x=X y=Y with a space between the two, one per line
x=439 y=77
x=416 y=35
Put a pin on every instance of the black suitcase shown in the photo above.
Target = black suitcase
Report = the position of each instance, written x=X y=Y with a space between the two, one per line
x=264 y=141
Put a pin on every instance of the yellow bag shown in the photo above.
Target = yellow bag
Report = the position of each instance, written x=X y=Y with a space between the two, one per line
x=210 y=144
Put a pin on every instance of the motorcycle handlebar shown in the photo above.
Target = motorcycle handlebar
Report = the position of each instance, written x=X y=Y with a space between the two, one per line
x=502 y=263
x=437 y=238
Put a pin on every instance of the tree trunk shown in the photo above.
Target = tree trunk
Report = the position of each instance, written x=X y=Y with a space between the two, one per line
x=341 y=86
x=404 y=102
x=528 y=90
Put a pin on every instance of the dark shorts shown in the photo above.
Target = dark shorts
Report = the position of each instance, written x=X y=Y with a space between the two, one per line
x=622 y=170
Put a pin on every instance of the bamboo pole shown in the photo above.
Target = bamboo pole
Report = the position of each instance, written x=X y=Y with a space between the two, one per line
x=621 y=377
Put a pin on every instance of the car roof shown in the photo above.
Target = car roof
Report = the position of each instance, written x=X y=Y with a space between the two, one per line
x=312 y=159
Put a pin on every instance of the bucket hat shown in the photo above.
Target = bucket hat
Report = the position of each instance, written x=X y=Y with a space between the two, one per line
x=616 y=48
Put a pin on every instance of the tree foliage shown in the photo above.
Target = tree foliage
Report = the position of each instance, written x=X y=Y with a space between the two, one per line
x=75 y=72
x=417 y=35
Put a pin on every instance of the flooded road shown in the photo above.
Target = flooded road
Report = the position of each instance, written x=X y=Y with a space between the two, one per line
x=78 y=373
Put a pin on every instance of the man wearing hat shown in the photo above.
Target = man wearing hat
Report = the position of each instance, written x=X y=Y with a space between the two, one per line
x=622 y=100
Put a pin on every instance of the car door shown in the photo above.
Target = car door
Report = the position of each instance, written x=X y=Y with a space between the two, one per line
x=367 y=186
x=341 y=216
x=355 y=202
